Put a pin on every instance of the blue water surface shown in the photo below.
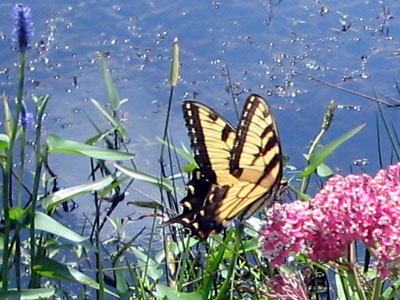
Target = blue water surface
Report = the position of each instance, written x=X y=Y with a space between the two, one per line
x=351 y=44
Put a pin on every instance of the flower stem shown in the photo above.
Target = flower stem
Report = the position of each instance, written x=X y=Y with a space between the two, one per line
x=7 y=201
x=6 y=212
x=326 y=122
x=306 y=180
x=40 y=158
x=376 y=291
x=357 y=283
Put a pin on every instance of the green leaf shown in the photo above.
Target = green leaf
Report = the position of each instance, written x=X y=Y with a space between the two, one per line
x=48 y=224
x=190 y=167
x=118 y=126
x=339 y=287
x=59 y=145
x=4 y=141
x=31 y=294
x=110 y=87
x=317 y=158
x=153 y=268
x=324 y=171
x=164 y=183
x=99 y=137
x=41 y=103
x=16 y=213
x=120 y=279
x=391 y=291
x=51 y=268
x=61 y=196
x=8 y=117
x=165 y=292
x=177 y=248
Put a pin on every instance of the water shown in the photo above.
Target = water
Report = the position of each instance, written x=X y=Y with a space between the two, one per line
x=353 y=45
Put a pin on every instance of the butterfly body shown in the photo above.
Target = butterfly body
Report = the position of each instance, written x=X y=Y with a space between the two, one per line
x=240 y=169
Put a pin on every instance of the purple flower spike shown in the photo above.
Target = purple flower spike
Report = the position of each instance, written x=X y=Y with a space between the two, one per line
x=26 y=118
x=23 y=27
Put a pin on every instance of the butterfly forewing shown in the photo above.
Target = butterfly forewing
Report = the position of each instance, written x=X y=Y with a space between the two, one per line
x=212 y=138
x=256 y=155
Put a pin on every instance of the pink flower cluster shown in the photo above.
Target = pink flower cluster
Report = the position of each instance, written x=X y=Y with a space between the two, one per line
x=285 y=287
x=352 y=208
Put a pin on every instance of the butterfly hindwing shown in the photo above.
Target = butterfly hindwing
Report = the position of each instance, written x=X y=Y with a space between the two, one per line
x=198 y=207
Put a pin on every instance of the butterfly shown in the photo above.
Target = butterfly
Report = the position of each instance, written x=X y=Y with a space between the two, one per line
x=239 y=169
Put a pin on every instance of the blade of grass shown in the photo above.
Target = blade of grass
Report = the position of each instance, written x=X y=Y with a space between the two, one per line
x=110 y=87
x=114 y=122
x=59 y=145
x=390 y=133
x=222 y=292
x=61 y=196
x=164 y=183
x=183 y=152
x=214 y=264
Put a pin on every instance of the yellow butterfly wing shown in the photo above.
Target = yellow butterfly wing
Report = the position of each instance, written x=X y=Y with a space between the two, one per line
x=239 y=170
x=256 y=161
x=212 y=139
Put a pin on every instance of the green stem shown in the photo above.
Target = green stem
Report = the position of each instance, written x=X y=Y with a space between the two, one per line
x=20 y=190
x=211 y=269
x=39 y=159
x=357 y=283
x=21 y=169
x=18 y=257
x=231 y=271
x=171 y=93
x=345 y=283
x=146 y=266
x=306 y=180
x=326 y=122
x=100 y=268
x=6 y=212
x=7 y=201
x=376 y=292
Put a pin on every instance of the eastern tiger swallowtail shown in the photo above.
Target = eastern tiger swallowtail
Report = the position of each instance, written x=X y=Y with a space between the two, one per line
x=239 y=169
